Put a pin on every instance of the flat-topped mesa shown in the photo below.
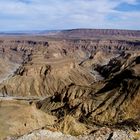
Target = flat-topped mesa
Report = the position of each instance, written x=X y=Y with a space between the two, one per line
x=97 y=33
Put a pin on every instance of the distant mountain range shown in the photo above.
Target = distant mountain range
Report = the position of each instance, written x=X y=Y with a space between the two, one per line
x=79 y=33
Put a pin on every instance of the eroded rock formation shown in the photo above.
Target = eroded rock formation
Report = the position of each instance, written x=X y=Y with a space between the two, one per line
x=84 y=86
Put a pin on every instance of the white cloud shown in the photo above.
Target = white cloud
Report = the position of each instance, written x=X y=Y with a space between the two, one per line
x=56 y=14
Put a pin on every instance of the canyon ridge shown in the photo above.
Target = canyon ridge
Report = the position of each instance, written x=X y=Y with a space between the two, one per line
x=79 y=84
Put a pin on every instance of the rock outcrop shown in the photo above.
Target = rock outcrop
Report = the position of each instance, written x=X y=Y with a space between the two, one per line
x=48 y=66
x=86 y=87
x=111 y=102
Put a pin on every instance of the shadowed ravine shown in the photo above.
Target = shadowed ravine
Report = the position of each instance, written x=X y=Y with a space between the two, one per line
x=70 y=86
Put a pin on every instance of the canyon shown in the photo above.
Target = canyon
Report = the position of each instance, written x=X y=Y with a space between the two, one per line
x=73 y=84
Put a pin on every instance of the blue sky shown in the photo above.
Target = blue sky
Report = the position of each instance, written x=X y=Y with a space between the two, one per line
x=67 y=14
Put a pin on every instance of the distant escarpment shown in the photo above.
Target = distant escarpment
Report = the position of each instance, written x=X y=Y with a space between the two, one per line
x=97 y=33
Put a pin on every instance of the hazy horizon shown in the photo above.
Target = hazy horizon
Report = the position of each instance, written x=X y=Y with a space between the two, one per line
x=45 y=30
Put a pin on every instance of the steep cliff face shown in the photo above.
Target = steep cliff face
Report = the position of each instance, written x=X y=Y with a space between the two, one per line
x=112 y=102
x=47 y=67
x=85 y=86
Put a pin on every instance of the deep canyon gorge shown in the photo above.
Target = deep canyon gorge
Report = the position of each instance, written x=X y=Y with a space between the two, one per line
x=81 y=84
